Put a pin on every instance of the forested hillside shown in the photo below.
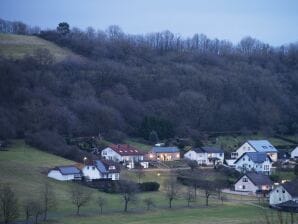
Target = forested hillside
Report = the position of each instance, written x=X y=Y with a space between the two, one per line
x=135 y=84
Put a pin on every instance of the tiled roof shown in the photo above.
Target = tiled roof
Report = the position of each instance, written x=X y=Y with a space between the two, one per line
x=104 y=166
x=125 y=150
x=262 y=146
x=259 y=179
x=210 y=149
x=165 y=149
x=292 y=187
x=256 y=157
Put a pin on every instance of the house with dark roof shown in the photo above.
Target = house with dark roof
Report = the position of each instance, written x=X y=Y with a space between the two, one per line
x=262 y=146
x=122 y=153
x=65 y=173
x=254 y=182
x=206 y=155
x=258 y=162
x=101 y=169
x=285 y=195
x=164 y=153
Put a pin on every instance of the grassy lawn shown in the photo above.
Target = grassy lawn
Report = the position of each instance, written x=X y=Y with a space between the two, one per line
x=141 y=146
x=17 y=46
x=24 y=168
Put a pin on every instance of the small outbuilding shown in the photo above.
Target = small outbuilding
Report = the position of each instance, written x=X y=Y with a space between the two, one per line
x=65 y=173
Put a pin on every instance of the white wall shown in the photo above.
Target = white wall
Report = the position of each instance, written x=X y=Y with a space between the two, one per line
x=56 y=174
x=110 y=154
x=279 y=195
x=201 y=158
x=91 y=173
x=249 y=165
x=245 y=148
x=248 y=186
x=294 y=153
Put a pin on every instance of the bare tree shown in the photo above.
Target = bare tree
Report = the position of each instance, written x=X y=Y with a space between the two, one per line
x=101 y=202
x=36 y=210
x=171 y=187
x=149 y=203
x=79 y=196
x=140 y=174
x=128 y=190
x=189 y=195
x=8 y=204
x=48 y=199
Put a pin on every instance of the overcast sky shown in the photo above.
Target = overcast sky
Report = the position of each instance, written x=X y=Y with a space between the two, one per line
x=271 y=21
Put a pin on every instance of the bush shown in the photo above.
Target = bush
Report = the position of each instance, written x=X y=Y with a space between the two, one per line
x=149 y=186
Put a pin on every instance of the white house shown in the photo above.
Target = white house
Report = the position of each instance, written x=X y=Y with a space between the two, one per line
x=256 y=146
x=205 y=155
x=122 y=153
x=65 y=173
x=284 y=193
x=101 y=169
x=254 y=161
x=294 y=153
x=253 y=182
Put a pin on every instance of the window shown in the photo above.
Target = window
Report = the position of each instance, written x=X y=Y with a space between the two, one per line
x=277 y=191
x=243 y=159
x=93 y=168
x=279 y=199
x=104 y=153
x=283 y=191
x=245 y=179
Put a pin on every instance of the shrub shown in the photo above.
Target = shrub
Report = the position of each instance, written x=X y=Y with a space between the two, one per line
x=149 y=186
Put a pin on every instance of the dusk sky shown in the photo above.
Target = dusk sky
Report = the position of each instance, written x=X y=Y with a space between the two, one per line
x=271 y=21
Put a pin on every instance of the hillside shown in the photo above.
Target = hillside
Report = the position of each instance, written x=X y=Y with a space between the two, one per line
x=17 y=46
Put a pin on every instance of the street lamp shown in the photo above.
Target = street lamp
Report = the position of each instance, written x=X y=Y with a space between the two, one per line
x=85 y=159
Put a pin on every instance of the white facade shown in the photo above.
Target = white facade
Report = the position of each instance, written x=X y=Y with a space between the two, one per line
x=109 y=154
x=244 y=184
x=91 y=172
x=280 y=195
x=204 y=157
x=294 y=153
x=57 y=175
x=246 y=164
x=246 y=147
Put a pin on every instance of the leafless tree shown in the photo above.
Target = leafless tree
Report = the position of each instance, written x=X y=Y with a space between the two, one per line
x=79 y=196
x=140 y=173
x=48 y=199
x=128 y=190
x=189 y=195
x=171 y=187
x=101 y=202
x=149 y=203
x=8 y=204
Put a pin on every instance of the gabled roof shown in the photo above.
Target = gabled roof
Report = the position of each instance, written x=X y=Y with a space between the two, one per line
x=292 y=187
x=126 y=150
x=67 y=170
x=208 y=149
x=256 y=157
x=288 y=205
x=165 y=149
x=262 y=145
x=104 y=166
x=258 y=179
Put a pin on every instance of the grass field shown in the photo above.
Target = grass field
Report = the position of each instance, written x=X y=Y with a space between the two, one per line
x=17 y=46
x=24 y=168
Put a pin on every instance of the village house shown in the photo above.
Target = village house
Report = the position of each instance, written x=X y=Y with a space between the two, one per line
x=206 y=155
x=122 y=153
x=101 y=169
x=294 y=153
x=164 y=153
x=263 y=146
x=65 y=173
x=258 y=162
x=285 y=196
x=254 y=182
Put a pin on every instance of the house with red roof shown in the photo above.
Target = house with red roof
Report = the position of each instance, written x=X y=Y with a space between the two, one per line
x=122 y=153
